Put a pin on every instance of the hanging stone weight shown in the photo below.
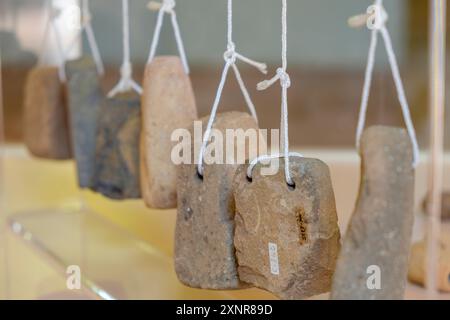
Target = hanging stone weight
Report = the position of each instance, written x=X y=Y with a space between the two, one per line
x=45 y=116
x=204 y=250
x=117 y=156
x=287 y=240
x=168 y=104
x=84 y=97
x=418 y=265
x=373 y=263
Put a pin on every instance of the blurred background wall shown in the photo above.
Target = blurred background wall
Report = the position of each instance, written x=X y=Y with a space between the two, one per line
x=326 y=58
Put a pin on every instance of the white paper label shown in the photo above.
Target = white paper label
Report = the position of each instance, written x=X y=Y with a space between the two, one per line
x=273 y=258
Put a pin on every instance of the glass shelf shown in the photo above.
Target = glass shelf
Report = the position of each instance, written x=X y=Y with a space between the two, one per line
x=113 y=263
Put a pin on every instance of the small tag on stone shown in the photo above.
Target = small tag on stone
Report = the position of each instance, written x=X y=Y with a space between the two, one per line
x=116 y=173
x=299 y=224
x=168 y=104
x=204 y=250
x=46 y=128
x=373 y=263
x=417 y=262
x=84 y=99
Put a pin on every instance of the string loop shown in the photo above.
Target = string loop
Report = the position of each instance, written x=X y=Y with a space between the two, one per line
x=231 y=57
x=167 y=7
x=285 y=82
x=126 y=81
x=377 y=23
x=86 y=26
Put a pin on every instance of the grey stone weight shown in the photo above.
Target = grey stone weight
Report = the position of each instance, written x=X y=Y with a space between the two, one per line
x=116 y=172
x=373 y=263
x=84 y=98
x=287 y=239
x=204 y=250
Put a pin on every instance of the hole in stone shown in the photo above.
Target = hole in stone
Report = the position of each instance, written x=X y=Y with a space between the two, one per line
x=249 y=179
x=291 y=186
x=200 y=176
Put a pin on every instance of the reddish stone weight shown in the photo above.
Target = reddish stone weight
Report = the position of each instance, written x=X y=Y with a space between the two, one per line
x=168 y=104
x=287 y=239
x=46 y=127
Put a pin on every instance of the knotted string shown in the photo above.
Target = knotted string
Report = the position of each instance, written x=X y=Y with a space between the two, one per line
x=126 y=81
x=230 y=56
x=167 y=6
x=379 y=25
x=285 y=82
x=50 y=25
x=86 y=26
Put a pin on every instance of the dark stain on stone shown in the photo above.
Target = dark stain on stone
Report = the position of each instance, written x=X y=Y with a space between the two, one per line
x=302 y=226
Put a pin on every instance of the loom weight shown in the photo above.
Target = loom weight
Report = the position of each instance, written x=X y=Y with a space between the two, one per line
x=204 y=250
x=379 y=233
x=45 y=115
x=287 y=239
x=417 y=263
x=116 y=173
x=168 y=103
x=84 y=99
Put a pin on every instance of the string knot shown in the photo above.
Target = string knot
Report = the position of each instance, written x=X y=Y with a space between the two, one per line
x=126 y=70
x=285 y=80
x=377 y=17
x=166 y=6
x=281 y=75
x=230 y=55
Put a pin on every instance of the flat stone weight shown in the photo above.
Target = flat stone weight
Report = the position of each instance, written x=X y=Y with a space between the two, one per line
x=287 y=240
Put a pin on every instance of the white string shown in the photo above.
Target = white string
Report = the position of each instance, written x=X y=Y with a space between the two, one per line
x=86 y=26
x=380 y=26
x=126 y=81
x=53 y=14
x=268 y=157
x=230 y=56
x=285 y=83
x=167 y=6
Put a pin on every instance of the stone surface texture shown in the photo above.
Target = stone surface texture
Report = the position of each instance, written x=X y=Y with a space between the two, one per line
x=300 y=221
x=117 y=152
x=379 y=233
x=168 y=103
x=204 y=250
x=84 y=100
x=46 y=130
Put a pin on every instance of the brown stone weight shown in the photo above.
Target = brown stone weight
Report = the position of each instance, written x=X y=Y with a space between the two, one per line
x=168 y=104
x=204 y=250
x=445 y=210
x=45 y=115
x=116 y=173
x=379 y=233
x=416 y=273
x=84 y=99
x=287 y=240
